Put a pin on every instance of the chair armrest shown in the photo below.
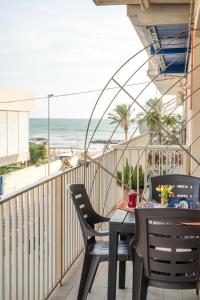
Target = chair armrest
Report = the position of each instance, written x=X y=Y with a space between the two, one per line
x=105 y=219
x=101 y=219
x=94 y=232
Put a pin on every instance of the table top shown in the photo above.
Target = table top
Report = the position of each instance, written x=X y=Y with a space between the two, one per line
x=122 y=216
x=123 y=221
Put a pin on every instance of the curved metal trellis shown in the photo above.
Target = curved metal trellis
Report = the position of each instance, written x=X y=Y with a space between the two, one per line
x=134 y=100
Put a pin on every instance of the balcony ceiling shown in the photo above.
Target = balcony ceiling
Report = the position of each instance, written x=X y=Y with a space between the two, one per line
x=126 y=2
x=169 y=54
x=173 y=52
x=159 y=25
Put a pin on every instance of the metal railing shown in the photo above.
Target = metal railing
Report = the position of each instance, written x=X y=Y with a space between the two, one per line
x=153 y=160
x=40 y=237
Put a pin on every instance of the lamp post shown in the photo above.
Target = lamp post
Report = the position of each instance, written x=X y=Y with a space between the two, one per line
x=48 y=150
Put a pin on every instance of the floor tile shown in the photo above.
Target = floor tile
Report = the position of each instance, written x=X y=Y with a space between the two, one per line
x=99 y=290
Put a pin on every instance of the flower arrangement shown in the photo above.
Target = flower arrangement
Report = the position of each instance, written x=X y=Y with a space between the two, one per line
x=165 y=190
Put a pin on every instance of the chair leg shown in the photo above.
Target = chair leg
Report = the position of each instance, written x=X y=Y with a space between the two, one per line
x=85 y=271
x=90 y=277
x=140 y=283
x=197 y=289
x=93 y=278
x=122 y=273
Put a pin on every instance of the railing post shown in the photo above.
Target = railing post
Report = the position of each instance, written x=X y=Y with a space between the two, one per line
x=98 y=191
x=145 y=170
x=186 y=164
x=115 y=163
x=138 y=171
x=58 y=228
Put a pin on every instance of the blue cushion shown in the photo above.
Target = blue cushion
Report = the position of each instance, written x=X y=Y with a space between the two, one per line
x=183 y=202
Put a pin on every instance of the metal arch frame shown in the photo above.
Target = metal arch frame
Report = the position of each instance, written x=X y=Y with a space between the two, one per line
x=112 y=174
x=122 y=88
x=169 y=134
x=110 y=80
x=161 y=124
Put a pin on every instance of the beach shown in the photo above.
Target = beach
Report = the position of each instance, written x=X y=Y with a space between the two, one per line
x=67 y=134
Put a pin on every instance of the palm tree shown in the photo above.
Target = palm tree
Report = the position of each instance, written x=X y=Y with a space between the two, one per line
x=173 y=123
x=154 y=119
x=122 y=116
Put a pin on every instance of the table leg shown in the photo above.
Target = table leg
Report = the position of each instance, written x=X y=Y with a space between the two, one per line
x=122 y=268
x=112 y=264
x=122 y=271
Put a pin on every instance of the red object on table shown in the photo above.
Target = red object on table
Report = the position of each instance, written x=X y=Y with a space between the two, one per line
x=132 y=199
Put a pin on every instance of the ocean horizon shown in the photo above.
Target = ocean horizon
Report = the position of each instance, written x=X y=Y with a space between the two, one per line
x=70 y=133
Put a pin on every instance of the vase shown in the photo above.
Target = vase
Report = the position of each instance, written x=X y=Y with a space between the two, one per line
x=164 y=199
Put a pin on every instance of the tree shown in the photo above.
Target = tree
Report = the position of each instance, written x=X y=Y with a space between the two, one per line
x=174 y=125
x=122 y=116
x=11 y=168
x=38 y=154
x=154 y=119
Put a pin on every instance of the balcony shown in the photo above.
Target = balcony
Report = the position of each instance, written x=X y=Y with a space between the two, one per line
x=39 y=230
x=99 y=291
x=40 y=238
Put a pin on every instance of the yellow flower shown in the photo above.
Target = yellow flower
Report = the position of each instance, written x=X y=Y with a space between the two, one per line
x=165 y=189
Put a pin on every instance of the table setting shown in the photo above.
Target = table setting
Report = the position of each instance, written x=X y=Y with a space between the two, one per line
x=129 y=203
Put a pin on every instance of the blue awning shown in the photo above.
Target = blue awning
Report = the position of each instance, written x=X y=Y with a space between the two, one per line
x=172 y=40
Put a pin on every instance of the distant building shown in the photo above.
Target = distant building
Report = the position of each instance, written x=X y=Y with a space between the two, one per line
x=14 y=126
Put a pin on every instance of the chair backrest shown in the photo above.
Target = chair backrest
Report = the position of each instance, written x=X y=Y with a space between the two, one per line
x=184 y=186
x=86 y=214
x=169 y=248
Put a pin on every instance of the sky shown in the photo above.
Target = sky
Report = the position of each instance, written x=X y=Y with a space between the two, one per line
x=63 y=46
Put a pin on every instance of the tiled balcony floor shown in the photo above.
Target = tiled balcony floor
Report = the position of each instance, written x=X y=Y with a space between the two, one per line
x=69 y=289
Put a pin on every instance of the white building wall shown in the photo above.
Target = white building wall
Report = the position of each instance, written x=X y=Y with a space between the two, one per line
x=23 y=132
x=3 y=133
x=14 y=137
x=12 y=132
x=14 y=126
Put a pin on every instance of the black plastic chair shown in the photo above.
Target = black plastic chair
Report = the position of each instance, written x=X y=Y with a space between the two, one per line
x=166 y=251
x=184 y=186
x=95 y=251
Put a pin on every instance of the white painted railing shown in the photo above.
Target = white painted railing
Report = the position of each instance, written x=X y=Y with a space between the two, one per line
x=40 y=237
x=154 y=160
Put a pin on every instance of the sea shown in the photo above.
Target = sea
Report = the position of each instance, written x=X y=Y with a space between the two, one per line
x=71 y=133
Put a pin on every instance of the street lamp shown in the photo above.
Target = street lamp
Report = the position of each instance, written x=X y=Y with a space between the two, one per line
x=48 y=150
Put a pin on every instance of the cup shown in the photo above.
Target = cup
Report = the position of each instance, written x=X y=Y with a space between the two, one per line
x=132 y=199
